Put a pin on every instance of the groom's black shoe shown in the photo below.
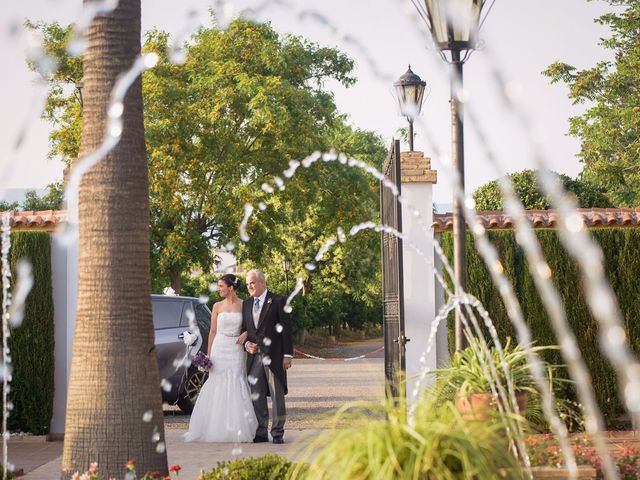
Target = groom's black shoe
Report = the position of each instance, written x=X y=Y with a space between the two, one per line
x=258 y=439
x=278 y=440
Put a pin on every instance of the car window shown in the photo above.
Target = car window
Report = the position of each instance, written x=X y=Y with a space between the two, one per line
x=186 y=314
x=167 y=314
x=203 y=317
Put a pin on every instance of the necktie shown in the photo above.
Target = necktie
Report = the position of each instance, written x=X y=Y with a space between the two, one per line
x=256 y=304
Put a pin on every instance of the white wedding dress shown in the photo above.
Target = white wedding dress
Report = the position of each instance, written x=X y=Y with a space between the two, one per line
x=224 y=411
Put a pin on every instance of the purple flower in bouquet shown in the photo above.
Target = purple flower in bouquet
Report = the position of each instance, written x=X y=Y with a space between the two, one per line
x=202 y=362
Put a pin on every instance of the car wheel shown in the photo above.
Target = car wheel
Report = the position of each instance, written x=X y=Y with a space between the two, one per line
x=189 y=394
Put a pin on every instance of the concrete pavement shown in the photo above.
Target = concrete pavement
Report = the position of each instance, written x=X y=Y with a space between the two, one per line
x=316 y=389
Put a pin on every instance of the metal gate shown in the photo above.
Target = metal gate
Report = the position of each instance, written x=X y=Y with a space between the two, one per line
x=392 y=287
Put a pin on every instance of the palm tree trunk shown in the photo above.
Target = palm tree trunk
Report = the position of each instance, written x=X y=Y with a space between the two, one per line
x=114 y=374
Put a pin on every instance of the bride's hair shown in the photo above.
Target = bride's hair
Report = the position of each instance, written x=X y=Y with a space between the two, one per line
x=231 y=281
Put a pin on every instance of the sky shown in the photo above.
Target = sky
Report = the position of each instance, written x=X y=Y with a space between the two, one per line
x=520 y=39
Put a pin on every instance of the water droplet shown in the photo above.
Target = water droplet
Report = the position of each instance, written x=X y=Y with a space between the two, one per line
x=115 y=130
x=255 y=396
x=10 y=466
x=574 y=223
x=151 y=59
x=266 y=360
x=147 y=416
x=267 y=188
x=165 y=385
x=229 y=247
x=129 y=476
x=116 y=110
x=266 y=341
x=279 y=183
x=310 y=266
x=288 y=309
x=279 y=327
x=155 y=437
x=160 y=448
x=236 y=451
x=203 y=299
x=225 y=471
x=341 y=236
x=262 y=206
x=213 y=288
x=252 y=379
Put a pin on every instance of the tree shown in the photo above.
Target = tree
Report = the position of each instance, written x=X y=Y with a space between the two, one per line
x=345 y=286
x=52 y=200
x=6 y=206
x=245 y=103
x=525 y=184
x=114 y=379
x=609 y=129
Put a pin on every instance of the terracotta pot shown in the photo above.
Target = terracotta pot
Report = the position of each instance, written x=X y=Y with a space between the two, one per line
x=481 y=405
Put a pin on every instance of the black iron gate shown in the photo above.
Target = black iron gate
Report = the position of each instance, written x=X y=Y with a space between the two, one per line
x=392 y=288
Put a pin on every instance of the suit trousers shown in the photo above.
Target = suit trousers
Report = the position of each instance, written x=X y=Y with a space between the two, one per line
x=263 y=381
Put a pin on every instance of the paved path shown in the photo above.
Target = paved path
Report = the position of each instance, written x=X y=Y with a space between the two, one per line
x=316 y=389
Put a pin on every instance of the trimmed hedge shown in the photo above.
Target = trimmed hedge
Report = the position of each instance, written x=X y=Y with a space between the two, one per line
x=621 y=249
x=31 y=344
x=267 y=467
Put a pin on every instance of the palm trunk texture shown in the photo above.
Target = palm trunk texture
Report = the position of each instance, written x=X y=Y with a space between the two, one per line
x=114 y=374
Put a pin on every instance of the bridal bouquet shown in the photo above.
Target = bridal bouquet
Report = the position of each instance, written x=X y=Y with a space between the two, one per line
x=203 y=362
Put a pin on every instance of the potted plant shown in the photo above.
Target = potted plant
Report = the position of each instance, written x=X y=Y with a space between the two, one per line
x=466 y=382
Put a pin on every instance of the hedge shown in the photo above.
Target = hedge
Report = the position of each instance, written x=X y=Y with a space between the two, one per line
x=621 y=249
x=31 y=344
x=267 y=467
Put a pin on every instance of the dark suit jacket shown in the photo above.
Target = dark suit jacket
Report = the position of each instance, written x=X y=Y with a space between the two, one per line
x=281 y=344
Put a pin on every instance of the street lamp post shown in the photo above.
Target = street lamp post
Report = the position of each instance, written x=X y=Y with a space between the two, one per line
x=286 y=266
x=454 y=26
x=410 y=94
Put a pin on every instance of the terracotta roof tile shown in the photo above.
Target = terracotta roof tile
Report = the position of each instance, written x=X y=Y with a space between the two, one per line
x=592 y=217
x=43 y=220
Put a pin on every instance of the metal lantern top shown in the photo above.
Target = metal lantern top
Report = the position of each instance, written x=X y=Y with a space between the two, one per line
x=454 y=24
x=410 y=94
x=286 y=264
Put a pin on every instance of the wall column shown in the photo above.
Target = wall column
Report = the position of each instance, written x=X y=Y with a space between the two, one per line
x=418 y=275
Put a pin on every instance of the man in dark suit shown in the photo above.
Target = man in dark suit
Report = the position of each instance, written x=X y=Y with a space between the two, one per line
x=270 y=352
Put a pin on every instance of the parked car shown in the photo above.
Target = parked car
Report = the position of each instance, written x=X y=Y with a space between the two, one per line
x=171 y=315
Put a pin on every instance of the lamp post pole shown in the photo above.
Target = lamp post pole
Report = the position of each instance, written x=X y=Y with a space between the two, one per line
x=454 y=27
x=457 y=160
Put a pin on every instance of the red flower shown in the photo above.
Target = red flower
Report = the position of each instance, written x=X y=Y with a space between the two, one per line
x=131 y=464
x=175 y=468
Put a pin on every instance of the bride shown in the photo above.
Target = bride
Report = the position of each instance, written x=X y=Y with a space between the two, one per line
x=223 y=411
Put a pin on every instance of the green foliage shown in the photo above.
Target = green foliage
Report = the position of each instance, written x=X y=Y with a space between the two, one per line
x=267 y=467
x=246 y=102
x=621 y=262
x=379 y=441
x=10 y=475
x=7 y=206
x=525 y=184
x=52 y=200
x=610 y=127
x=32 y=343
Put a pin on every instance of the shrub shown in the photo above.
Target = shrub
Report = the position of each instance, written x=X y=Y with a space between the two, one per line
x=621 y=262
x=268 y=467
x=381 y=441
x=32 y=343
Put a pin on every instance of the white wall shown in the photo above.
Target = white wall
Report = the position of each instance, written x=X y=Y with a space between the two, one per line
x=420 y=288
x=64 y=263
